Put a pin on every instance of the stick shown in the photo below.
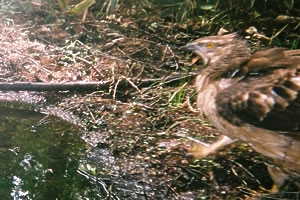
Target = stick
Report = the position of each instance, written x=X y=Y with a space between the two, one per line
x=84 y=86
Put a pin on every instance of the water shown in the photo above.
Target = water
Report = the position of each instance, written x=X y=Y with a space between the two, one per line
x=41 y=157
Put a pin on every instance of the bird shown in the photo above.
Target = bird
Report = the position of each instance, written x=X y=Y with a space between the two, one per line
x=251 y=98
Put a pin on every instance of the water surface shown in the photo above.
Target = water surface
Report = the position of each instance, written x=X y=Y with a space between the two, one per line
x=40 y=158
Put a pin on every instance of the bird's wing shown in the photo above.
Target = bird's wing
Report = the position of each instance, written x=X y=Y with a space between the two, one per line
x=266 y=92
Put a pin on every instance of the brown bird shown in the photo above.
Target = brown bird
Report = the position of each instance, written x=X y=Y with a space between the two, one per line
x=251 y=98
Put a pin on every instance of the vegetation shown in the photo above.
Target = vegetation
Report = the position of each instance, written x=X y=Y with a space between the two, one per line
x=143 y=123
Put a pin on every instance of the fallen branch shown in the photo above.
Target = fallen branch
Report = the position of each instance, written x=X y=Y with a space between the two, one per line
x=86 y=86
x=72 y=86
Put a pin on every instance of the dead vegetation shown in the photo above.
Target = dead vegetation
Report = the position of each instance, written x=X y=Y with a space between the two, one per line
x=143 y=128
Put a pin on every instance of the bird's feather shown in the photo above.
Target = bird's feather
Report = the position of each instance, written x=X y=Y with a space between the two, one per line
x=266 y=93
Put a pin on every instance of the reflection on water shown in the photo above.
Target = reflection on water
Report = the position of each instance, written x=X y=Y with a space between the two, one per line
x=40 y=157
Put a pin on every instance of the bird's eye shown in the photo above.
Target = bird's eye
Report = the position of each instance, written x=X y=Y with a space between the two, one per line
x=210 y=45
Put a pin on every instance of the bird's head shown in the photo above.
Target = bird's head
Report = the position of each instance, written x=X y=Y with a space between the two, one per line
x=221 y=48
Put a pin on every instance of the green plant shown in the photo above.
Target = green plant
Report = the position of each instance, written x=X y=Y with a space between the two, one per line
x=183 y=9
x=107 y=7
x=177 y=97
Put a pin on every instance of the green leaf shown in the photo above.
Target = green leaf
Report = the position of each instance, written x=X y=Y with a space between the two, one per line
x=80 y=7
x=252 y=3
x=289 y=3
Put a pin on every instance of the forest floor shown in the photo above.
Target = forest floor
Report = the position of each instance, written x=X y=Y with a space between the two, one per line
x=145 y=127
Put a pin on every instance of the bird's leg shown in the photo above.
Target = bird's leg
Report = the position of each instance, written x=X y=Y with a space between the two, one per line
x=278 y=176
x=201 y=149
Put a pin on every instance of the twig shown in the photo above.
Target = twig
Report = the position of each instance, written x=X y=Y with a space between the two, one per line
x=83 y=86
x=115 y=89
x=247 y=171
x=276 y=34
x=133 y=85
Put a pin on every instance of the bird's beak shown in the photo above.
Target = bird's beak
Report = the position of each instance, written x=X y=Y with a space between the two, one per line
x=190 y=47
x=197 y=50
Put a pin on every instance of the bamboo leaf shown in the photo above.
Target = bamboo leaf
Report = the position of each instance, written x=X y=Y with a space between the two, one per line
x=80 y=7
x=289 y=3
x=252 y=3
